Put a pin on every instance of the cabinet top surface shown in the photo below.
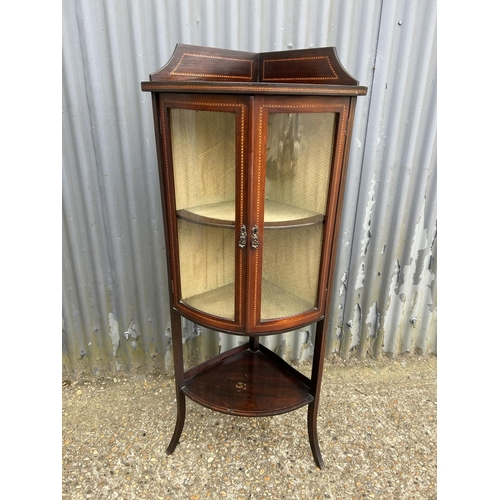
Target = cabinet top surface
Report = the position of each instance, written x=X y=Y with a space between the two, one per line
x=194 y=68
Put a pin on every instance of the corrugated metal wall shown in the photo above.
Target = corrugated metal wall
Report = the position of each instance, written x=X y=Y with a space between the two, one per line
x=115 y=302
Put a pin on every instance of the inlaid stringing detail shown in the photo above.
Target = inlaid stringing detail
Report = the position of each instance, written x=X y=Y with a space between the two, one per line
x=333 y=91
x=334 y=77
x=265 y=326
x=225 y=104
x=203 y=318
x=257 y=251
x=165 y=104
x=337 y=172
x=242 y=163
x=167 y=178
x=174 y=71
x=242 y=148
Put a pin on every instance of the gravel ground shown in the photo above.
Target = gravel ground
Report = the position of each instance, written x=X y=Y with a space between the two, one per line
x=377 y=431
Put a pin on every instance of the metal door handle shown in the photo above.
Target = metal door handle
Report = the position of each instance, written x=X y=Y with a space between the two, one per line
x=254 y=238
x=243 y=237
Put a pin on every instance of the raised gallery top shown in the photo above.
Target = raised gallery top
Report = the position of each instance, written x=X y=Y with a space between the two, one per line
x=194 y=68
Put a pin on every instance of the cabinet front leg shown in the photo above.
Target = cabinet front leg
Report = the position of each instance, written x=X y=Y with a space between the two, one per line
x=179 y=425
x=312 y=429
x=316 y=376
x=175 y=319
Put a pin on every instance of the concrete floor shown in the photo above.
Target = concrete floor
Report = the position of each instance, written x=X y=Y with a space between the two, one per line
x=376 y=426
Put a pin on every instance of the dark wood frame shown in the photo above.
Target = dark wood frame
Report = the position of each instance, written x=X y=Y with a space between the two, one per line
x=311 y=80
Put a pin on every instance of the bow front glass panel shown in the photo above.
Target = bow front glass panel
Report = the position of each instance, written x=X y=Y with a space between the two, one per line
x=203 y=156
x=298 y=162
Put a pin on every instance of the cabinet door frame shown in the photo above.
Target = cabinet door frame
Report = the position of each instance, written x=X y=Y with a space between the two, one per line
x=203 y=102
x=294 y=104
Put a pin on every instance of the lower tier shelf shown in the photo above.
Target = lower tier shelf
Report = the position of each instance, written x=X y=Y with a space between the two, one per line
x=248 y=383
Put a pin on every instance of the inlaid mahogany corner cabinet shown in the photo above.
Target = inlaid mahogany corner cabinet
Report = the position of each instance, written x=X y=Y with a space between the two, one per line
x=252 y=153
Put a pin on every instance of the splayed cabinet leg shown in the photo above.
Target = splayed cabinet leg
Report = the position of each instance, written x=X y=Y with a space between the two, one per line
x=181 y=416
x=312 y=429
x=175 y=320
x=316 y=376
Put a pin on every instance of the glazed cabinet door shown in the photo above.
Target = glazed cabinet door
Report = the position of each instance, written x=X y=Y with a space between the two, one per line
x=298 y=167
x=204 y=164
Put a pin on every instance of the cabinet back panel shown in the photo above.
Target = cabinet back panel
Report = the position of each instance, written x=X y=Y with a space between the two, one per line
x=206 y=262
x=203 y=153
x=292 y=262
x=298 y=159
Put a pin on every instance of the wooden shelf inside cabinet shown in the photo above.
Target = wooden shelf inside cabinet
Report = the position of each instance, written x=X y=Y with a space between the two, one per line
x=249 y=383
x=282 y=215
x=214 y=214
x=277 y=302
x=276 y=215
x=252 y=158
